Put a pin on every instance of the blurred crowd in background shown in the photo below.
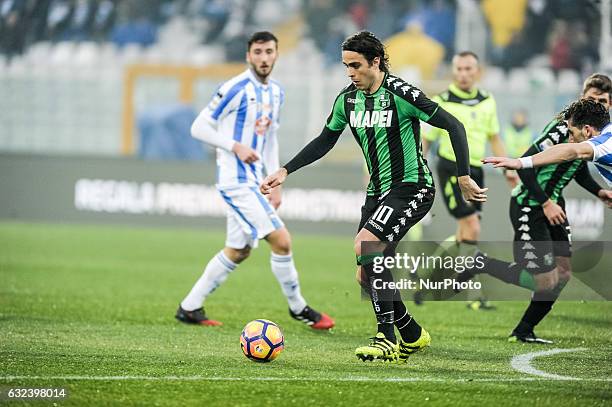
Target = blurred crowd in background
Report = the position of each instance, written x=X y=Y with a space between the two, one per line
x=65 y=63
x=564 y=33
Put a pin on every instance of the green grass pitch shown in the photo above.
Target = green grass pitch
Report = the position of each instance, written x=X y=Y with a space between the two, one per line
x=90 y=308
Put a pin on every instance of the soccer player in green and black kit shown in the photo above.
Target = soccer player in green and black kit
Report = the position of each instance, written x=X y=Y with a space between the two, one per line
x=541 y=231
x=384 y=113
x=476 y=109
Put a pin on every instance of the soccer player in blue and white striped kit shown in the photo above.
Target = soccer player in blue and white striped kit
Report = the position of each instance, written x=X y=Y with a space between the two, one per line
x=242 y=121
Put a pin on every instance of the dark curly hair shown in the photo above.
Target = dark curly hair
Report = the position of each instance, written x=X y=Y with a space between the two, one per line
x=366 y=44
x=585 y=111
x=261 y=36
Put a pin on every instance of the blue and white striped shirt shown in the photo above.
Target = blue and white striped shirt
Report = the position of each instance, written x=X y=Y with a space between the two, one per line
x=247 y=111
x=602 y=153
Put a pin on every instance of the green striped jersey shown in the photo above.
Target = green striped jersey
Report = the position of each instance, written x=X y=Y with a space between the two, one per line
x=552 y=178
x=386 y=126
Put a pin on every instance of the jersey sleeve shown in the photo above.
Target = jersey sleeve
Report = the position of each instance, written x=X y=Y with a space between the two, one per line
x=425 y=107
x=602 y=148
x=337 y=118
x=434 y=133
x=416 y=103
x=225 y=100
x=554 y=133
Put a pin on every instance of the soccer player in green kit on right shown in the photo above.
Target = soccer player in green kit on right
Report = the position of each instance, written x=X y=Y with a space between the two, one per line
x=542 y=233
x=384 y=114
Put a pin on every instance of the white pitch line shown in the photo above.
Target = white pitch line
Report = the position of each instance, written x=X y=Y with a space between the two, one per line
x=284 y=379
x=261 y=379
x=522 y=363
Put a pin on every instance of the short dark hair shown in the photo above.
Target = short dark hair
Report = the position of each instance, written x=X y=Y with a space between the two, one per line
x=586 y=111
x=598 y=81
x=366 y=44
x=468 y=54
x=261 y=36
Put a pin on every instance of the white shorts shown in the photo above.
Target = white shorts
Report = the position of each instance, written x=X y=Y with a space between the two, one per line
x=250 y=217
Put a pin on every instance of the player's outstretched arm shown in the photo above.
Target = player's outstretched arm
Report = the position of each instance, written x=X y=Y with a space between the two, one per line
x=444 y=120
x=313 y=151
x=470 y=189
x=503 y=162
x=553 y=155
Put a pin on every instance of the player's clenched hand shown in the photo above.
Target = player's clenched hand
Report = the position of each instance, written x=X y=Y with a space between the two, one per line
x=246 y=154
x=606 y=197
x=273 y=180
x=553 y=212
x=504 y=162
x=470 y=189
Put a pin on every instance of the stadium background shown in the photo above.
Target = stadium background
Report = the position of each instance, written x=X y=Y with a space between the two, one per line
x=106 y=91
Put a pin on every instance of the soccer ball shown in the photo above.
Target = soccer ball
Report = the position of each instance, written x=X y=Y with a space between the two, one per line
x=262 y=340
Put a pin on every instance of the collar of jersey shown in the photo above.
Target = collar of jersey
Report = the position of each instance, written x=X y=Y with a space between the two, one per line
x=461 y=93
x=380 y=89
x=255 y=80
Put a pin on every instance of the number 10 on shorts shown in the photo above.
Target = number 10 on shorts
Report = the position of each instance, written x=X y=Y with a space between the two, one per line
x=382 y=214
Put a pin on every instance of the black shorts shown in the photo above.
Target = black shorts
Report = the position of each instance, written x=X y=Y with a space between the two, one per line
x=537 y=242
x=390 y=215
x=453 y=198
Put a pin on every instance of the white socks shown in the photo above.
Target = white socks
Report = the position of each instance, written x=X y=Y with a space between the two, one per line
x=215 y=273
x=287 y=276
x=220 y=266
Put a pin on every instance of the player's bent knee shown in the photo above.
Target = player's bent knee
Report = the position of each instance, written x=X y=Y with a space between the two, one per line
x=547 y=281
x=553 y=280
x=564 y=269
x=238 y=255
x=359 y=276
x=361 y=279
x=282 y=247
x=469 y=228
x=280 y=241
x=372 y=246
x=475 y=228
x=565 y=274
